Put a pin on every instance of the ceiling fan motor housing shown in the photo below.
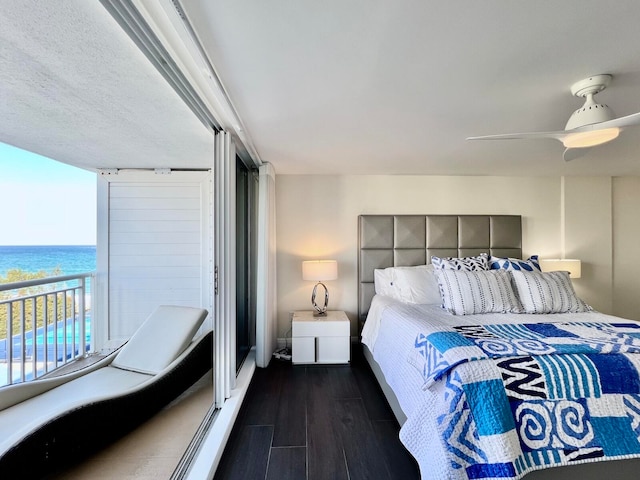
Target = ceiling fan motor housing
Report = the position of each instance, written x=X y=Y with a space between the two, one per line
x=591 y=112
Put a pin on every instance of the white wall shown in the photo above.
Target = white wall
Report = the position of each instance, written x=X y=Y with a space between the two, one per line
x=588 y=235
x=626 y=225
x=317 y=219
x=595 y=219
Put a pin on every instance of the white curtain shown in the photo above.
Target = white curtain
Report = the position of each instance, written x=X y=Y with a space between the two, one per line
x=224 y=173
x=266 y=317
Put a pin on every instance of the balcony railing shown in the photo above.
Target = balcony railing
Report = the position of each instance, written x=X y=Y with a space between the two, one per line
x=44 y=324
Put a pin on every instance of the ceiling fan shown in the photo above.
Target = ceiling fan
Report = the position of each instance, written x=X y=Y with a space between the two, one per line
x=592 y=124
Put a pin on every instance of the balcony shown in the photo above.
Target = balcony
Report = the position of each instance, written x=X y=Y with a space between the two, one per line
x=51 y=327
x=44 y=324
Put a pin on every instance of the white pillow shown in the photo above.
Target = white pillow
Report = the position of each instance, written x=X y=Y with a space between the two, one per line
x=161 y=338
x=480 y=291
x=549 y=292
x=408 y=284
x=417 y=285
x=383 y=282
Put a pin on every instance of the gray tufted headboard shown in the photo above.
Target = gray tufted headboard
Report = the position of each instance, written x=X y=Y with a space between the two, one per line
x=404 y=240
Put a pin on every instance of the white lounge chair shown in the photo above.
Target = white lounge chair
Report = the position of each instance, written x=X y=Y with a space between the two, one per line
x=47 y=423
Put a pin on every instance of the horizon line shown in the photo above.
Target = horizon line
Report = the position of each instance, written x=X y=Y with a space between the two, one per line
x=51 y=245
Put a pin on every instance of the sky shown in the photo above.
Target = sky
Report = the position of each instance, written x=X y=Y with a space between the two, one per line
x=44 y=202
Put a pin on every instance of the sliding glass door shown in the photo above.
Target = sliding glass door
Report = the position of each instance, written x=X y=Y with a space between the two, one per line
x=245 y=260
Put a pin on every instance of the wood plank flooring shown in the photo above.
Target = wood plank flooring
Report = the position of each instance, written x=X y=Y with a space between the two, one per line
x=316 y=423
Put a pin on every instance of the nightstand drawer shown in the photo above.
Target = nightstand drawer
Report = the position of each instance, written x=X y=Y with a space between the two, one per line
x=321 y=349
x=333 y=349
x=320 y=328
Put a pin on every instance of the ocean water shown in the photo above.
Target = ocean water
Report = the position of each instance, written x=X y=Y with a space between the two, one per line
x=71 y=259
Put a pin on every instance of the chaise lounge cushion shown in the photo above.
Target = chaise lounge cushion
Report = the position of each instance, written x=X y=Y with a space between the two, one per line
x=17 y=421
x=160 y=339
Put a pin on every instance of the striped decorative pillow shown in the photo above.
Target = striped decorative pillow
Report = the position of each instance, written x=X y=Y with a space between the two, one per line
x=483 y=291
x=550 y=292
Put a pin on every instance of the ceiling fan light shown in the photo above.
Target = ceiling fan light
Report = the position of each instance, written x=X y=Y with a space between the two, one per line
x=590 y=138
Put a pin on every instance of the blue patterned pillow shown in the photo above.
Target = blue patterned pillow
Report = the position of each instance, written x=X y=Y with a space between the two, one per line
x=467 y=264
x=529 y=265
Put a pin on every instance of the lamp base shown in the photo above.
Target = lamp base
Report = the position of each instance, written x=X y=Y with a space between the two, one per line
x=320 y=311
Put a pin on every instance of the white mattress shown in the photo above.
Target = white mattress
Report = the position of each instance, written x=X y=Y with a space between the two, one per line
x=435 y=315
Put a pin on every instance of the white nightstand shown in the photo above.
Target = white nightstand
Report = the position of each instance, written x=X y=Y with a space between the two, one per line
x=323 y=339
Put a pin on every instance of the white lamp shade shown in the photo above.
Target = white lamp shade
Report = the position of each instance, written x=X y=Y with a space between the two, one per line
x=319 y=270
x=571 y=265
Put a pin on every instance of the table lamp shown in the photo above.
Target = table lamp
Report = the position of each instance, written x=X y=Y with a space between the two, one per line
x=319 y=271
x=571 y=265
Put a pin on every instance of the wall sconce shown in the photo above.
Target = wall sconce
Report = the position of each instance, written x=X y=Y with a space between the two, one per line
x=571 y=265
x=319 y=271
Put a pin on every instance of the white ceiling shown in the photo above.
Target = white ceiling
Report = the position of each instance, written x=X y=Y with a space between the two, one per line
x=74 y=87
x=338 y=86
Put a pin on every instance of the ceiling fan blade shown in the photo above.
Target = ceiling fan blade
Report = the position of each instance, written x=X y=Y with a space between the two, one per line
x=573 y=153
x=628 y=121
x=517 y=136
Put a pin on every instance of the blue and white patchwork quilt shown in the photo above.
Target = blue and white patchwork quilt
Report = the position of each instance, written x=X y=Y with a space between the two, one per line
x=506 y=398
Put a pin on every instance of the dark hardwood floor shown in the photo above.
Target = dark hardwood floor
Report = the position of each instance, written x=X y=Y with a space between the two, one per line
x=316 y=423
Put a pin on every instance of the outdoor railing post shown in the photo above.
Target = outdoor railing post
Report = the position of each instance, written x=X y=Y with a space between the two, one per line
x=34 y=337
x=72 y=313
x=55 y=330
x=9 y=344
x=64 y=326
x=23 y=356
x=45 y=332
x=81 y=316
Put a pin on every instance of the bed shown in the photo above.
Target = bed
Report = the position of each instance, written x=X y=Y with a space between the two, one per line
x=494 y=395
